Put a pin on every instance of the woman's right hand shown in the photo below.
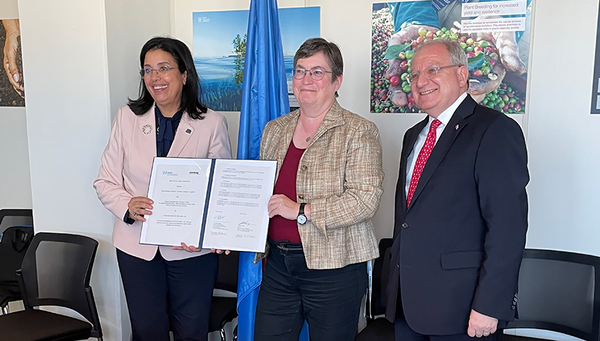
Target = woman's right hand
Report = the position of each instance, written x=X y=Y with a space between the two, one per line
x=280 y=204
x=139 y=207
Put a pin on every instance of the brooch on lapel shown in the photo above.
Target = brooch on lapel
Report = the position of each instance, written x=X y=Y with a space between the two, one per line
x=147 y=129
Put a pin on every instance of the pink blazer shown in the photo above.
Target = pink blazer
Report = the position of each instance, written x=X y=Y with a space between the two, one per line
x=127 y=163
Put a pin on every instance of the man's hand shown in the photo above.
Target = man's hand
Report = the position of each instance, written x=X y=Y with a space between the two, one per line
x=481 y=325
x=11 y=46
x=407 y=34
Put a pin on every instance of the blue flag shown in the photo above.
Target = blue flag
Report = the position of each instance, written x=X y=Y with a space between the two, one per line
x=264 y=97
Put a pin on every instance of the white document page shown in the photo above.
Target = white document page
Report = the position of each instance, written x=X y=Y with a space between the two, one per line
x=178 y=188
x=237 y=214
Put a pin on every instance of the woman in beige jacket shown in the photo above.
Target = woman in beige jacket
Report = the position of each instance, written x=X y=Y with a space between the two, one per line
x=328 y=187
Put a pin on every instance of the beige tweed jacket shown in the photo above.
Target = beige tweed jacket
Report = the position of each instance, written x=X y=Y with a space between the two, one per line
x=340 y=175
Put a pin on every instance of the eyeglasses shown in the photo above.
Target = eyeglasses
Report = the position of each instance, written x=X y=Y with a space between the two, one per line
x=161 y=70
x=316 y=73
x=428 y=74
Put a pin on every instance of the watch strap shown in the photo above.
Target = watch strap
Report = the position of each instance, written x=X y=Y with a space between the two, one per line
x=301 y=210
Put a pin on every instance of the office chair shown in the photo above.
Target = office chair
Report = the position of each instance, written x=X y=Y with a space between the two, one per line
x=56 y=271
x=378 y=328
x=13 y=247
x=16 y=231
x=12 y=217
x=224 y=309
x=559 y=291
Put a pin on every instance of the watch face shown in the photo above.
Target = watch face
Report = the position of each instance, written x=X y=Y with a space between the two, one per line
x=301 y=219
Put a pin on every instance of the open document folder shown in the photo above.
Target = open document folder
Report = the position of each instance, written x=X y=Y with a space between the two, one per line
x=209 y=203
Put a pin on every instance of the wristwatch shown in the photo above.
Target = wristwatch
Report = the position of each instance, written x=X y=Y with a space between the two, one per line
x=301 y=218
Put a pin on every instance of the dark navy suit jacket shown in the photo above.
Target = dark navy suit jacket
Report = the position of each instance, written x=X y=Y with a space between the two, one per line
x=459 y=245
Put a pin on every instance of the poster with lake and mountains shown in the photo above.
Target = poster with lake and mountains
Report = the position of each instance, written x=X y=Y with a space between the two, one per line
x=220 y=50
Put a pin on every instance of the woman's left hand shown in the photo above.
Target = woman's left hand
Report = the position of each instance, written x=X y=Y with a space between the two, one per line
x=188 y=248
x=281 y=205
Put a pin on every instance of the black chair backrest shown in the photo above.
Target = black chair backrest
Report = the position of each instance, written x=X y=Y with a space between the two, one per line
x=559 y=291
x=13 y=217
x=56 y=270
x=228 y=272
x=12 y=250
x=13 y=246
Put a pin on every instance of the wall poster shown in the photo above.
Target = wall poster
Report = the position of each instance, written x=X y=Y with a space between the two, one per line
x=220 y=50
x=12 y=93
x=494 y=34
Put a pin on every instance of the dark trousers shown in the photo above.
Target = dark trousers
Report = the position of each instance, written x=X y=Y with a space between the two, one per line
x=168 y=295
x=329 y=300
x=403 y=332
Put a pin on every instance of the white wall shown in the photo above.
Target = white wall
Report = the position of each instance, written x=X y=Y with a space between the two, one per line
x=129 y=24
x=15 y=187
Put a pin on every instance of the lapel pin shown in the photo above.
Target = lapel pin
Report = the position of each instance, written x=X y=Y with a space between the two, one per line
x=189 y=131
x=456 y=127
x=147 y=129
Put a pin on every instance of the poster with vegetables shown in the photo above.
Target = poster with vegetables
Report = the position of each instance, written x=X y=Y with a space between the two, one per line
x=220 y=50
x=494 y=35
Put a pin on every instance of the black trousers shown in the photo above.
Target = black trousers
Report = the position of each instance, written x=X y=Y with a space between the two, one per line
x=329 y=300
x=168 y=295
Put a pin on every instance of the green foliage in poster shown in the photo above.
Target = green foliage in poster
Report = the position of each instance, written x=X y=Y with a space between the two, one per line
x=239 y=51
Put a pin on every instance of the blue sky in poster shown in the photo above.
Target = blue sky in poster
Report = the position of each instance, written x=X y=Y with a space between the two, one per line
x=214 y=31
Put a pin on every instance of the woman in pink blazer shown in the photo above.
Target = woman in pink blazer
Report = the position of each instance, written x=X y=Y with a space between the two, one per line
x=167 y=288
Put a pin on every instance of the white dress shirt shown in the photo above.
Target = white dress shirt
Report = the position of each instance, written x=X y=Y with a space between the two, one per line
x=444 y=118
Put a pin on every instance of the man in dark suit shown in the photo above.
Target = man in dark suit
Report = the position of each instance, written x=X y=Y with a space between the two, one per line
x=461 y=209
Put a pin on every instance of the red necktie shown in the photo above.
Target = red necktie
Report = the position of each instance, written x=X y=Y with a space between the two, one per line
x=422 y=160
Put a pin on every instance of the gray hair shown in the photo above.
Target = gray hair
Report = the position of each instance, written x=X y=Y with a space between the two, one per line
x=455 y=51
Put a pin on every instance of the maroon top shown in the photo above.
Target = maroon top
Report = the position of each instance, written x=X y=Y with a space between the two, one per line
x=281 y=229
